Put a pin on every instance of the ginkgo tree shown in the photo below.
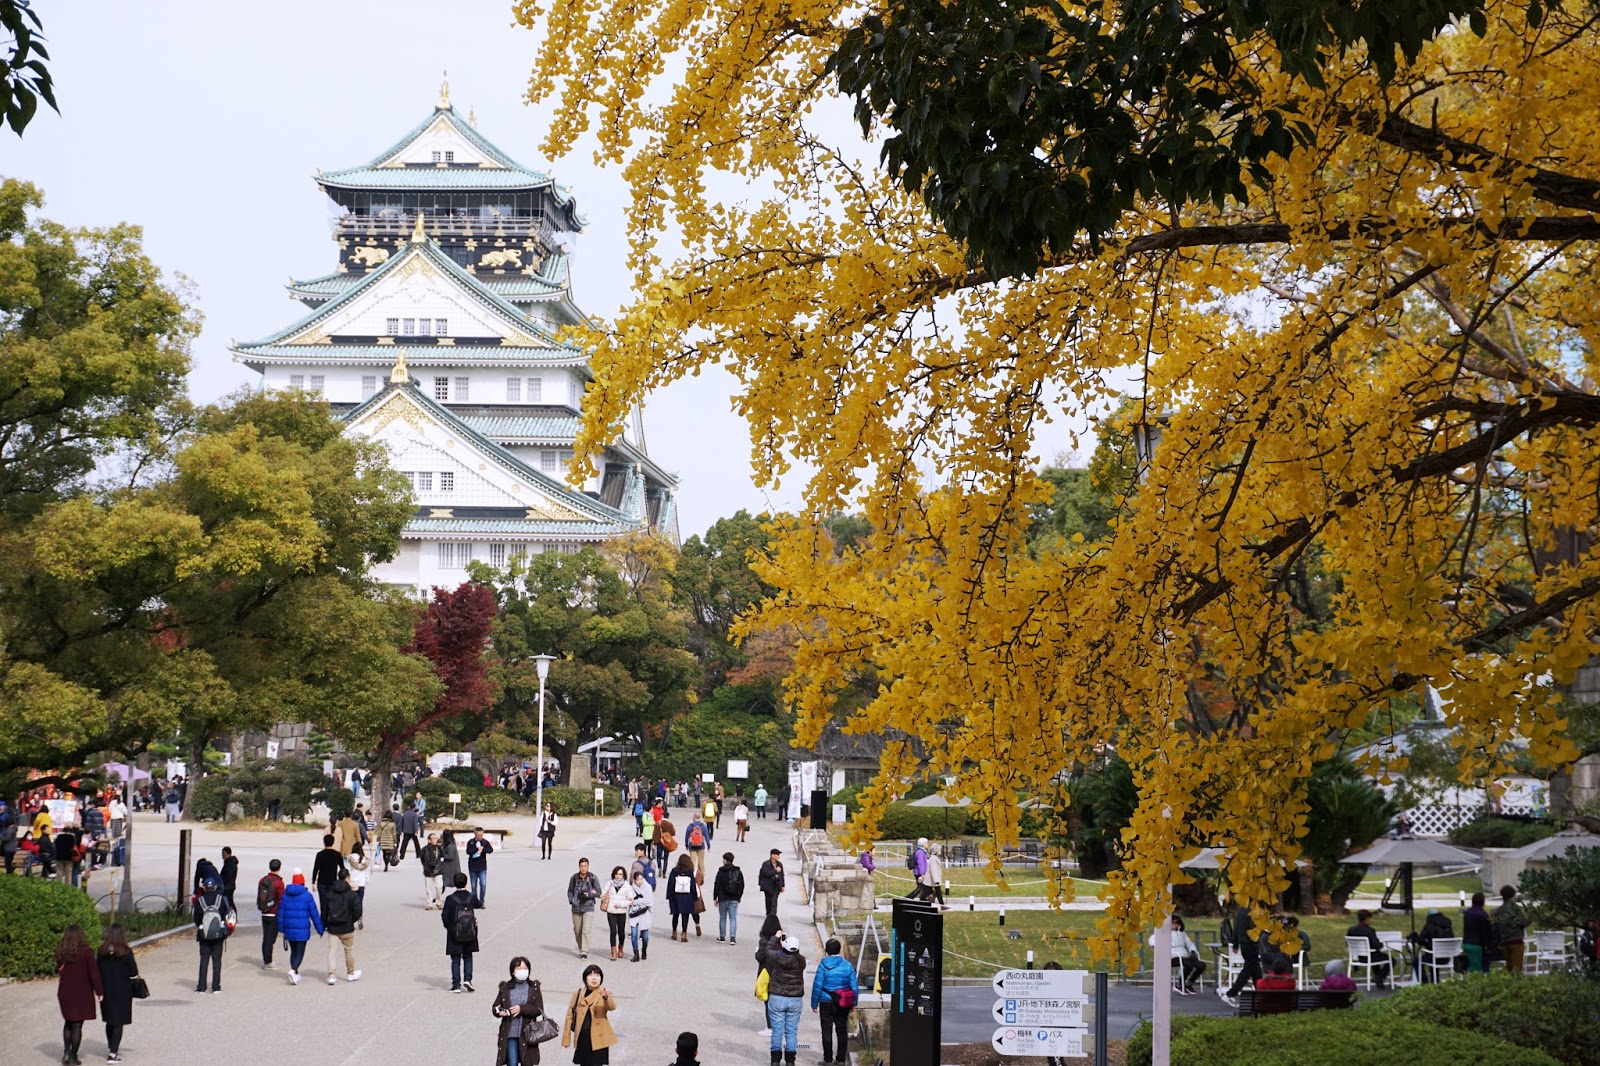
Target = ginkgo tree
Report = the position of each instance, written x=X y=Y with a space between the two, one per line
x=1371 y=344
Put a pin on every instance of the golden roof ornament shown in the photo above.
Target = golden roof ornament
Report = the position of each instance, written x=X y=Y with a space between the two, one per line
x=399 y=375
x=444 y=93
x=472 y=117
x=418 y=236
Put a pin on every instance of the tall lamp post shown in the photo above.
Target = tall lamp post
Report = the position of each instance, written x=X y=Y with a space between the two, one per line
x=542 y=664
x=1146 y=436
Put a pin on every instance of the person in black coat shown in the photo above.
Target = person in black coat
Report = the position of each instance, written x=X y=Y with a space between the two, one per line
x=459 y=949
x=770 y=879
x=230 y=876
x=118 y=968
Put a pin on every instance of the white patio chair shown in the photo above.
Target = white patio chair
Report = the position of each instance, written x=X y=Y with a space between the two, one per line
x=1363 y=956
x=1439 y=961
x=1550 y=950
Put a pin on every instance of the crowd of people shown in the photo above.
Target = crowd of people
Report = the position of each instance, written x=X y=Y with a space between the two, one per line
x=88 y=838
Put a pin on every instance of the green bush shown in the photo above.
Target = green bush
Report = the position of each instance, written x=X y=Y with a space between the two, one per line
x=902 y=821
x=850 y=797
x=210 y=799
x=475 y=799
x=573 y=801
x=33 y=915
x=340 y=801
x=1328 y=1038
x=1500 y=833
x=1532 y=1012
x=463 y=775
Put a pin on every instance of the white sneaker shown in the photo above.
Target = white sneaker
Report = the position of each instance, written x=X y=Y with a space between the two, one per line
x=294 y=977
x=332 y=980
x=356 y=976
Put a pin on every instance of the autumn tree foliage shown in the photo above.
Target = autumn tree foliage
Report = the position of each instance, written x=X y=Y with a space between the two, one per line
x=453 y=635
x=1370 y=345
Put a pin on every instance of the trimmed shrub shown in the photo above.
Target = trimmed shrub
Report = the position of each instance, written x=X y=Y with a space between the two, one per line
x=1500 y=833
x=463 y=775
x=578 y=801
x=211 y=796
x=1532 y=1012
x=340 y=801
x=33 y=915
x=1328 y=1038
x=902 y=821
x=850 y=797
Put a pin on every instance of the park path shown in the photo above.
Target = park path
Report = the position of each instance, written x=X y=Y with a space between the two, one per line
x=401 y=1012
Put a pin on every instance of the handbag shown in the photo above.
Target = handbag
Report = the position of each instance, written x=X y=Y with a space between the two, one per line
x=141 y=990
x=699 y=904
x=543 y=1029
x=763 y=982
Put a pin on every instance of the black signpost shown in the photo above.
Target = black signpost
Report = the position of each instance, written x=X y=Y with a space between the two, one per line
x=916 y=942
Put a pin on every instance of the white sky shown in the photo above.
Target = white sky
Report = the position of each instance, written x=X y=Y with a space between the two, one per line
x=205 y=123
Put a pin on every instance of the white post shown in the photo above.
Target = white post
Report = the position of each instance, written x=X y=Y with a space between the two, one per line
x=542 y=662
x=1161 y=1008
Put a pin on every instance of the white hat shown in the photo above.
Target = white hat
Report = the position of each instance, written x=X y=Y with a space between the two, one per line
x=791 y=944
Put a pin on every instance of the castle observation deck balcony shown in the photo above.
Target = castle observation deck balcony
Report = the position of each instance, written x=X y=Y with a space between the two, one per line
x=447 y=224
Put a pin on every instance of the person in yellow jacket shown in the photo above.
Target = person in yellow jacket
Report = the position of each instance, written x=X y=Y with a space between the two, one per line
x=585 y=1027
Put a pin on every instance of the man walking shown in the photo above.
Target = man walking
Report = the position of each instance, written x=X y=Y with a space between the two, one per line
x=213 y=922
x=726 y=891
x=325 y=870
x=432 y=883
x=698 y=840
x=269 y=895
x=460 y=934
x=642 y=864
x=340 y=918
x=478 y=852
x=761 y=801
x=770 y=880
x=410 y=825
x=583 y=890
x=230 y=875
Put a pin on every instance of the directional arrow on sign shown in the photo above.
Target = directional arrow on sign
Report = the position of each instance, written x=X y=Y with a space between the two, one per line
x=1039 y=1012
x=1040 y=984
x=1060 y=1043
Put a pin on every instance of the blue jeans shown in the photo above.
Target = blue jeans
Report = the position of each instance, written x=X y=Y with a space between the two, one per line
x=727 y=918
x=480 y=885
x=460 y=969
x=636 y=934
x=297 y=953
x=514 y=1050
x=785 y=1014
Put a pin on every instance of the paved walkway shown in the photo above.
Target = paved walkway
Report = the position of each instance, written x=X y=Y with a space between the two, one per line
x=401 y=1010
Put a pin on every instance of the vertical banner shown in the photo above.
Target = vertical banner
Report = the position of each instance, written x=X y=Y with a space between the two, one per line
x=793 y=810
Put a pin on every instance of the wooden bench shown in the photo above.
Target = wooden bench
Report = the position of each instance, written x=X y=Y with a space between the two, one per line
x=1253 y=1001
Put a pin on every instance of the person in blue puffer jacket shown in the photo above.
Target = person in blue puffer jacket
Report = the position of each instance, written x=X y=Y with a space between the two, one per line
x=834 y=973
x=297 y=917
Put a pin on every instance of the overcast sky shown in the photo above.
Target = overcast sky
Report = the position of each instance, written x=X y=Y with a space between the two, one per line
x=205 y=123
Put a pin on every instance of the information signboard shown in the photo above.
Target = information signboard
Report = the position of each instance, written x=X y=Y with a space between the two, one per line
x=1048 y=1013
x=1040 y=984
x=917 y=943
x=1058 y=1043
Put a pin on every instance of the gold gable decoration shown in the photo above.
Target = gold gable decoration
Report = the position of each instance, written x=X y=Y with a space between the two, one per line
x=418 y=234
x=399 y=375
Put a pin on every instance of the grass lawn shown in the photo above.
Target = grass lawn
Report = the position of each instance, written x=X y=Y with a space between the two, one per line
x=261 y=825
x=144 y=923
x=970 y=881
x=1442 y=885
x=1062 y=936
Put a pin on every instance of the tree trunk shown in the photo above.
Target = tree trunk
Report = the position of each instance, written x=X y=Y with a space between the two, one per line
x=196 y=765
x=382 y=774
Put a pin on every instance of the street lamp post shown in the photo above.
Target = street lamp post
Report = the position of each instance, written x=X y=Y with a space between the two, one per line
x=542 y=664
x=1146 y=437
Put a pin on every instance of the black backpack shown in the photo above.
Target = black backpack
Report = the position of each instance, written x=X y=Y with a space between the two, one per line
x=339 y=908
x=266 y=895
x=464 y=924
x=735 y=883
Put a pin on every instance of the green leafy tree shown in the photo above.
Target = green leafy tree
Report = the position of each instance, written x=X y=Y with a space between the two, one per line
x=1078 y=507
x=714 y=584
x=24 y=78
x=1345 y=813
x=1566 y=893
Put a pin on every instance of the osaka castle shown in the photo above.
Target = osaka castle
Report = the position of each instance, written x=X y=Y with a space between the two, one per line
x=438 y=334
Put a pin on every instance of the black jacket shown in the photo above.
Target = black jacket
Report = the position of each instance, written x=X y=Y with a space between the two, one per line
x=729 y=883
x=325 y=868
x=771 y=877
x=116 y=977
x=344 y=909
x=453 y=902
x=230 y=875
x=1434 y=927
x=788 y=970
x=430 y=860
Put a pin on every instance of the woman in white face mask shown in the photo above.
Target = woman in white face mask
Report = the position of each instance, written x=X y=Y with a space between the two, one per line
x=520 y=1008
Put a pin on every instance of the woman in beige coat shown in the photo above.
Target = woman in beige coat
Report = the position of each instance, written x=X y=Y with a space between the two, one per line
x=585 y=1028
x=934 y=878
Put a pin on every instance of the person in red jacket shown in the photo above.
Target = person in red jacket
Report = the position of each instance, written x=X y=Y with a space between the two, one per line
x=77 y=987
x=1280 y=979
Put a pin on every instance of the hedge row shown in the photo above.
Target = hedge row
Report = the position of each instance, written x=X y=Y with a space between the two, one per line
x=34 y=913
x=1532 y=1012
x=902 y=821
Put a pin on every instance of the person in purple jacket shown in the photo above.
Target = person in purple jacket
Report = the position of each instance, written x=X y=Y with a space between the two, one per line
x=919 y=870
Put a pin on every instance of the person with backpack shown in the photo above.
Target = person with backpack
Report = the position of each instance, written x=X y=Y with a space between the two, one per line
x=583 y=893
x=697 y=839
x=727 y=888
x=683 y=891
x=269 y=894
x=460 y=934
x=917 y=863
x=833 y=997
x=642 y=864
x=297 y=917
x=770 y=880
x=214 y=920
x=342 y=918
x=478 y=851
x=641 y=911
x=711 y=814
x=547 y=831
x=638 y=817
x=432 y=883
x=519 y=1005
x=666 y=842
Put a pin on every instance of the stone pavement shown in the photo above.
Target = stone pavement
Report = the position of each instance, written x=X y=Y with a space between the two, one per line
x=401 y=1010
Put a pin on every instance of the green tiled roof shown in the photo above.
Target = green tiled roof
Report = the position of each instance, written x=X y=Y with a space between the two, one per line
x=505 y=526
x=550 y=279
x=514 y=426
x=558 y=490
x=475 y=288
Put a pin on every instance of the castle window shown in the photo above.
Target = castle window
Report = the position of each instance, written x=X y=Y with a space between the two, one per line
x=297 y=381
x=408 y=326
x=391 y=326
x=316 y=383
x=461 y=389
x=436 y=156
x=447 y=481
x=441 y=388
x=549 y=462
x=535 y=390
x=369 y=386
x=424 y=326
x=497 y=555
x=441 y=327
x=424 y=481
x=454 y=555
x=449 y=157
x=513 y=390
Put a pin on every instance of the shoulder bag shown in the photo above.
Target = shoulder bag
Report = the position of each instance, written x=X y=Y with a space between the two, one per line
x=137 y=984
x=763 y=983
